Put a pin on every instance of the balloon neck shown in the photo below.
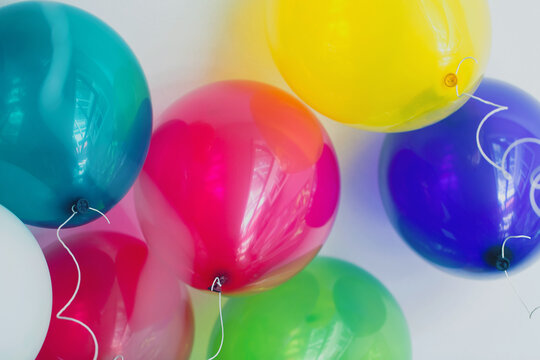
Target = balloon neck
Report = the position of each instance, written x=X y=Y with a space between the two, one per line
x=502 y=263
x=218 y=286
x=81 y=206
x=494 y=258
x=451 y=80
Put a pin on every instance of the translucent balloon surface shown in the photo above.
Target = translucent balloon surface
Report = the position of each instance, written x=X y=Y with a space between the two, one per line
x=330 y=310
x=75 y=113
x=241 y=182
x=380 y=65
x=134 y=306
x=448 y=202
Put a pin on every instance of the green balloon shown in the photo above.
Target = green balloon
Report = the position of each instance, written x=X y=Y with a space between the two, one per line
x=330 y=310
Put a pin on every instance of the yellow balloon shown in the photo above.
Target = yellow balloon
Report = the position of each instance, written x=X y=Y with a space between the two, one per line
x=380 y=65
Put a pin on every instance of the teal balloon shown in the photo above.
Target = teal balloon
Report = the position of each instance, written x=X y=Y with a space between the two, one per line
x=75 y=113
x=330 y=310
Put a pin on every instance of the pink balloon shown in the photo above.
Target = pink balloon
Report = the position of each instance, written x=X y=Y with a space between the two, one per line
x=241 y=182
x=135 y=307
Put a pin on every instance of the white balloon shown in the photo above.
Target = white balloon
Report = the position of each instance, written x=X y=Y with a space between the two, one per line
x=25 y=291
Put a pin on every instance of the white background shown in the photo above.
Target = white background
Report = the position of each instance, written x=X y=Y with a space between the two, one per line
x=185 y=43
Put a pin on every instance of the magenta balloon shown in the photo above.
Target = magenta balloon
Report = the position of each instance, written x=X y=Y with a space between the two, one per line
x=134 y=306
x=242 y=183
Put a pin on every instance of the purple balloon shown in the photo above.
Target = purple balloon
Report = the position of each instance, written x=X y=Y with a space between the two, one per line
x=448 y=202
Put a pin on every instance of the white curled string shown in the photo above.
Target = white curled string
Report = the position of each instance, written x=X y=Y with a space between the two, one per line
x=529 y=312
x=535 y=175
x=59 y=314
x=535 y=179
x=220 y=317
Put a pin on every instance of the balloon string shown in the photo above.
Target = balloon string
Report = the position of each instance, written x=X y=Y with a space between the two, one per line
x=106 y=218
x=535 y=179
x=59 y=314
x=529 y=312
x=220 y=316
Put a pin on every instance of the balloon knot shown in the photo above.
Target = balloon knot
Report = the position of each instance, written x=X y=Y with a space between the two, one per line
x=218 y=283
x=81 y=206
x=451 y=80
x=502 y=263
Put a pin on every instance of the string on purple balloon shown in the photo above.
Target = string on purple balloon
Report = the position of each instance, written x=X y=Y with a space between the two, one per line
x=80 y=207
x=529 y=312
x=218 y=290
x=535 y=179
x=535 y=176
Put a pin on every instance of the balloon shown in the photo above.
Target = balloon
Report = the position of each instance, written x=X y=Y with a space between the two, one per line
x=133 y=305
x=25 y=285
x=241 y=183
x=384 y=66
x=331 y=310
x=450 y=204
x=75 y=113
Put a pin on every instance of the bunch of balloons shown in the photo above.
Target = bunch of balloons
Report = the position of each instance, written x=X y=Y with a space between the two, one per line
x=237 y=190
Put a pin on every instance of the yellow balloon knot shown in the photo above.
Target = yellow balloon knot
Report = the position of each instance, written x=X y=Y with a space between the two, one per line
x=451 y=80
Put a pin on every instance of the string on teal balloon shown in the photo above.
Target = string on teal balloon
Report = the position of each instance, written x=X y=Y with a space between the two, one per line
x=81 y=209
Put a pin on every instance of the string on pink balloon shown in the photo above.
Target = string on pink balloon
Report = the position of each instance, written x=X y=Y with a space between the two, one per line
x=217 y=282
